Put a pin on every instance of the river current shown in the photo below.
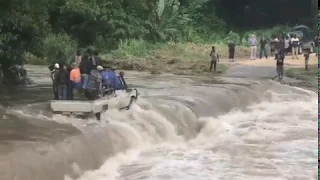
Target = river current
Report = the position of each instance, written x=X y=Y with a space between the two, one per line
x=191 y=128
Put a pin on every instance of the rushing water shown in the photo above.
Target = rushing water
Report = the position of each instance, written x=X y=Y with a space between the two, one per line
x=181 y=128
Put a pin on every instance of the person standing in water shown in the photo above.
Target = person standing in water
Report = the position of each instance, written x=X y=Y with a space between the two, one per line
x=231 y=47
x=214 y=59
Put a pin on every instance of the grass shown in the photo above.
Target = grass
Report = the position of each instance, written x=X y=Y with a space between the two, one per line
x=301 y=73
x=176 y=58
x=309 y=76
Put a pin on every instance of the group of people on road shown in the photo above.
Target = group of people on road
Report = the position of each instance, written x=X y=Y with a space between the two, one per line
x=86 y=76
x=277 y=49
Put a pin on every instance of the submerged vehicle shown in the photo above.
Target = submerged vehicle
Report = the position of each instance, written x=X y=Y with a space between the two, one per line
x=106 y=98
x=87 y=108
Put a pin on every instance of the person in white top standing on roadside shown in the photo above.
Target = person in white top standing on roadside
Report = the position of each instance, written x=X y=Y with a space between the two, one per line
x=295 y=46
x=253 y=46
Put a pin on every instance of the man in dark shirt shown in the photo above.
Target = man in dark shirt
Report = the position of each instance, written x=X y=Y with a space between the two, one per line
x=263 y=50
x=280 y=62
x=232 y=47
x=61 y=78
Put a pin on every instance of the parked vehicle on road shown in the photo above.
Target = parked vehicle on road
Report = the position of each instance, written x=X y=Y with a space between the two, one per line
x=306 y=37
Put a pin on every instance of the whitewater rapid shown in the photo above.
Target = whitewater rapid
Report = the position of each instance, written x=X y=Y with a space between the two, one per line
x=274 y=139
x=184 y=129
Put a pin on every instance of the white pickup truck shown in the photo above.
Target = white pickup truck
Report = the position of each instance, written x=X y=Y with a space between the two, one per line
x=83 y=108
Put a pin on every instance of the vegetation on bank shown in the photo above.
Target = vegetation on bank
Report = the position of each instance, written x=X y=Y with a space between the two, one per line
x=310 y=76
x=43 y=32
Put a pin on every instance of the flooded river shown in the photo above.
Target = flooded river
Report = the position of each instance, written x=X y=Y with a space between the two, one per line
x=190 y=128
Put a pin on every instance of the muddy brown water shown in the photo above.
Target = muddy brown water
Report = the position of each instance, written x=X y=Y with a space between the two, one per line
x=182 y=127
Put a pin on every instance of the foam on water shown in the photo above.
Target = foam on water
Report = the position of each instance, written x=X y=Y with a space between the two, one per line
x=161 y=138
x=270 y=140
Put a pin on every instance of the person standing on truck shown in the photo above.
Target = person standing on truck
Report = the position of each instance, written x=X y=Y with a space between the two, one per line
x=84 y=70
x=93 y=61
x=105 y=74
x=295 y=46
x=124 y=84
x=61 y=79
x=75 y=79
x=94 y=85
x=116 y=80
x=54 y=86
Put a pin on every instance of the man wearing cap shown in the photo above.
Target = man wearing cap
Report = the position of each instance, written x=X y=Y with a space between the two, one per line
x=54 y=86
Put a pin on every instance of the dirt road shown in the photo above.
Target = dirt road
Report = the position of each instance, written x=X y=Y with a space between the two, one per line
x=289 y=62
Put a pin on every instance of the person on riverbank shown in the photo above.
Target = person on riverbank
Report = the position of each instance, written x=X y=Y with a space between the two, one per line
x=272 y=45
x=280 y=63
x=295 y=47
x=253 y=46
x=263 y=49
x=61 y=80
x=232 y=49
x=214 y=59
x=306 y=59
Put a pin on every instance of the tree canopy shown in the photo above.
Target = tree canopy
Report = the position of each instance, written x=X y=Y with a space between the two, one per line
x=40 y=26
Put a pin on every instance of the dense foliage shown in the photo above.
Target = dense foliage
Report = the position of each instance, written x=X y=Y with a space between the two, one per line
x=52 y=29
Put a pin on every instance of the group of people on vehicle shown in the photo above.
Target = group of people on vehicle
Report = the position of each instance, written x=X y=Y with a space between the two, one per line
x=87 y=76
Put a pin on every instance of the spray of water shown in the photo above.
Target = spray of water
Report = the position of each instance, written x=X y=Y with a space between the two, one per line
x=273 y=139
x=221 y=132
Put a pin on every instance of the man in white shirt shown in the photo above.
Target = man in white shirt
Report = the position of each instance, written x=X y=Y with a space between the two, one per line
x=253 y=46
x=295 y=46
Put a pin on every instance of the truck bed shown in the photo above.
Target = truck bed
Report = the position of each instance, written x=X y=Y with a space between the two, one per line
x=86 y=106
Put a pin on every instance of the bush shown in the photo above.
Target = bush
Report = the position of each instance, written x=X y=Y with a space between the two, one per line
x=134 y=48
x=32 y=59
x=59 y=48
